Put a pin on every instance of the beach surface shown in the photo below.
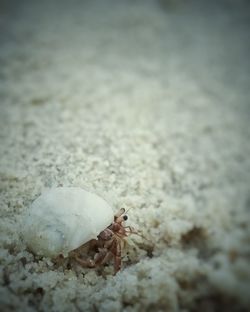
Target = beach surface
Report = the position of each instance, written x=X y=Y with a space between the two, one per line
x=145 y=103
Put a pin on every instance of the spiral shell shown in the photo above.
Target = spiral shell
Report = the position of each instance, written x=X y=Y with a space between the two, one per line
x=64 y=218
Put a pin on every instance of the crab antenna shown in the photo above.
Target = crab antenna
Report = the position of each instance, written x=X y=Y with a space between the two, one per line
x=127 y=210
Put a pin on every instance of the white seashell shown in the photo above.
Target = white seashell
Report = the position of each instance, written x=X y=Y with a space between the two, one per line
x=64 y=218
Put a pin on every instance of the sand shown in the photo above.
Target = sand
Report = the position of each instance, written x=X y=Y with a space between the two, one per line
x=145 y=103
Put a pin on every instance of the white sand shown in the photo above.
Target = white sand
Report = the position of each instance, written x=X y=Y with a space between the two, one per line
x=148 y=105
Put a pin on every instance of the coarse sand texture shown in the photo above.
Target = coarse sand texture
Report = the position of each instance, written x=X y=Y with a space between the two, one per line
x=145 y=103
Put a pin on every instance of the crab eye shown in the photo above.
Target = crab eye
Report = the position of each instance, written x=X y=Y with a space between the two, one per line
x=125 y=218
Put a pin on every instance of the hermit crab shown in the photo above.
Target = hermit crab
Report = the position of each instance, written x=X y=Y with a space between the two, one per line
x=63 y=221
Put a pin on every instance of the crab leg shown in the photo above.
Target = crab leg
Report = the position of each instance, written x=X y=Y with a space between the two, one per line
x=85 y=263
x=100 y=256
x=117 y=257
